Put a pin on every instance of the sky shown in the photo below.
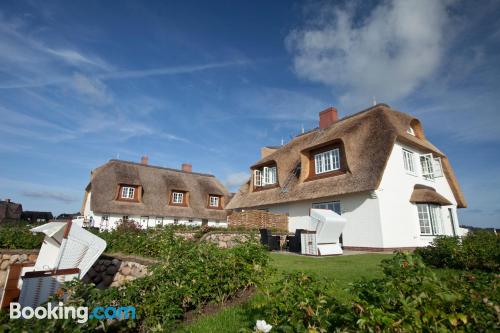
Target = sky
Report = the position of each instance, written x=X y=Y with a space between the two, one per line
x=210 y=82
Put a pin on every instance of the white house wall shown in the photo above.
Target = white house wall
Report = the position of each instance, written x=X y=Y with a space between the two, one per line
x=113 y=220
x=400 y=224
x=361 y=210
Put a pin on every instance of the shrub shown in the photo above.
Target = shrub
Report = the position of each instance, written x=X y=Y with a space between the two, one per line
x=409 y=298
x=298 y=302
x=477 y=250
x=19 y=236
x=189 y=276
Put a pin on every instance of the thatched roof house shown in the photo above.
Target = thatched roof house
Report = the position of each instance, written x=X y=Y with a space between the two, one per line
x=367 y=138
x=10 y=211
x=151 y=192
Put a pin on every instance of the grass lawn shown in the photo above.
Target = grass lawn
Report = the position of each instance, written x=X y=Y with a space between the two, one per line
x=342 y=270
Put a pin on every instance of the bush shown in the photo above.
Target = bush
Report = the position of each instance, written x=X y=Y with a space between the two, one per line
x=298 y=302
x=19 y=236
x=189 y=276
x=409 y=298
x=477 y=250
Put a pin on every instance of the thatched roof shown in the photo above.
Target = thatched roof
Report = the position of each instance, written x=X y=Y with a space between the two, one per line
x=426 y=194
x=10 y=210
x=156 y=182
x=368 y=138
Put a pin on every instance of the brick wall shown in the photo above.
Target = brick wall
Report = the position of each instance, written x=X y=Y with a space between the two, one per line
x=258 y=219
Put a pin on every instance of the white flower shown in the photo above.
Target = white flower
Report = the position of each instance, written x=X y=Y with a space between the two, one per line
x=262 y=326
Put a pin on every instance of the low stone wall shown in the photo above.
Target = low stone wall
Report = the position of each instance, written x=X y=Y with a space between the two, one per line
x=9 y=257
x=108 y=271
x=227 y=240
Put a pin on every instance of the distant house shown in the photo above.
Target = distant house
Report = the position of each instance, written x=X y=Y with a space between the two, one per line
x=376 y=168
x=67 y=216
x=10 y=211
x=153 y=195
x=36 y=217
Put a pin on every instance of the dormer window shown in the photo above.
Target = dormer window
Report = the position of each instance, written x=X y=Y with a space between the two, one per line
x=327 y=161
x=214 y=201
x=179 y=198
x=129 y=193
x=265 y=176
x=410 y=131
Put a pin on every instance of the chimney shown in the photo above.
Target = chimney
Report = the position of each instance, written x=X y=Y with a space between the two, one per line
x=186 y=167
x=327 y=117
x=144 y=160
x=7 y=200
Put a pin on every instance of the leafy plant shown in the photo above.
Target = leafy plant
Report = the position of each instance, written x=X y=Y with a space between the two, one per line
x=477 y=250
x=19 y=236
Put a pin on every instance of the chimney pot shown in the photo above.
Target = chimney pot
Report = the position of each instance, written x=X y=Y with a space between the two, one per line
x=186 y=167
x=145 y=160
x=327 y=117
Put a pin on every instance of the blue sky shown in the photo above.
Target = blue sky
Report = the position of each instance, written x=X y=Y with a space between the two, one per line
x=211 y=82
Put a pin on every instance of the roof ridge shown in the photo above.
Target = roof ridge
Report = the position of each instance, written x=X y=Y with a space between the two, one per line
x=319 y=130
x=162 y=168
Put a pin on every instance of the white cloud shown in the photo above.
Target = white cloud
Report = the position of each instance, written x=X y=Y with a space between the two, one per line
x=92 y=90
x=387 y=54
x=51 y=195
x=236 y=179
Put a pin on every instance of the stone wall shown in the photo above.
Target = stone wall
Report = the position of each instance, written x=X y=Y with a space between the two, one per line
x=258 y=219
x=227 y=240
x=108 y=270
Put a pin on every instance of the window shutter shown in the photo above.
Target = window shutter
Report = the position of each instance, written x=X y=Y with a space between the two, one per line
x=438 y=168
x=257 y=178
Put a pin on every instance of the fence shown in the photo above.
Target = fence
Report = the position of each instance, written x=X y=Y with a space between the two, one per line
x=258 y=219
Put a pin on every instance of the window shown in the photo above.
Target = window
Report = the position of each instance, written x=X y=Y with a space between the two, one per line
x=327 y=161
x=431 y=166
x=332 y=205
x=429 y=216
x=265 y=176
x=214 y=201
x=408 y=161
x=128 y=192
x=176 y=221
x=410 y=131
x=177 y=198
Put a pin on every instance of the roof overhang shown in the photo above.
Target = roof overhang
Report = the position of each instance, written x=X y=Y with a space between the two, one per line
x=426 y=194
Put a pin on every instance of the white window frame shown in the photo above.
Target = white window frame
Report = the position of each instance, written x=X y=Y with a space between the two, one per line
x=214 y=201
x=430 y=219
x=177 y=197
x=410 y=131
x=426 y=163
x=128 y=192
x=269 y=176
x=257 y=178
x=327 y=205
x=437 y=167
x=409 y=161
x=327 y=161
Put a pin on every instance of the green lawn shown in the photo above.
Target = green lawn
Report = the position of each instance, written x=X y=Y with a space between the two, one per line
x=342 y=270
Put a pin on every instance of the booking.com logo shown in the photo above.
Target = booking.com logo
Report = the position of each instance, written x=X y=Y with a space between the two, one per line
x=80 y=313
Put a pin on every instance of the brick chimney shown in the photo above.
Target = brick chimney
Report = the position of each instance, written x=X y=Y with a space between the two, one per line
x=327 y=117
x=7 y=200
x=186 y=167
x=144 y=160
